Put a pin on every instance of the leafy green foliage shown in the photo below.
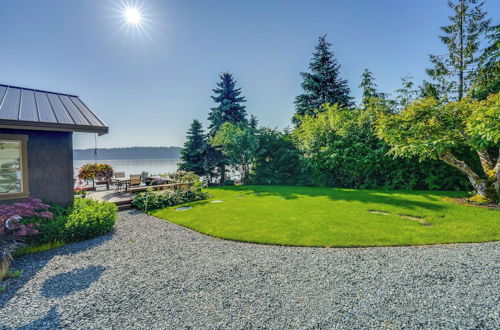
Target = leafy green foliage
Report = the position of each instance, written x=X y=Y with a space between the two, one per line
x=150 y=200
x=278 y=160
x=322 y=84
x=430 y=129
x=50 y=230
x=341 y=148
x=193 y=152
x=85 y=219
x=239 y=144
x=89 y=218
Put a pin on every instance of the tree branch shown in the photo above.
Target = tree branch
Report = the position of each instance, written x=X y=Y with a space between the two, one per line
x=449 y=159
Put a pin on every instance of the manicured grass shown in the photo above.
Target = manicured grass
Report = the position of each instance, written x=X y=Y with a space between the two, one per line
x=309 y=216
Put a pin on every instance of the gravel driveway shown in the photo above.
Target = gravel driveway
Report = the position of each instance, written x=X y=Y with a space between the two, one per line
x=153 y=274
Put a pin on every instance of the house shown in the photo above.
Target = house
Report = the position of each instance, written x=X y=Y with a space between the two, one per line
x=36 y=143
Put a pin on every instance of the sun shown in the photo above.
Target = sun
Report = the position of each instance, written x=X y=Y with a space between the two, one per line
x=132 y=15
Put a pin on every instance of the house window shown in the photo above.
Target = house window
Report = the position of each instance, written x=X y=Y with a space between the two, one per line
x=13 y=166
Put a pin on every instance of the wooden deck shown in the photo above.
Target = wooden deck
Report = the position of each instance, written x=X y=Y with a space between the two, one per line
x=124 y=199
x=121 y=199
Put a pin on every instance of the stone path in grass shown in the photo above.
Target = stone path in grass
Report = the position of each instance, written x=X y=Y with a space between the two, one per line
x=153 y=274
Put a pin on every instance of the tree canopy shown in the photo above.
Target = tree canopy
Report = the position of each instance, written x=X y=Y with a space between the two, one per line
x=429 y=128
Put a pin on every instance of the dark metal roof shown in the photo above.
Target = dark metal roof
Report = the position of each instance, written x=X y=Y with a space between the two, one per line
x=41 y=110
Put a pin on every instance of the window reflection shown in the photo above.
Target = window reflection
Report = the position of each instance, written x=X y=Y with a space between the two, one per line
x=10 y=167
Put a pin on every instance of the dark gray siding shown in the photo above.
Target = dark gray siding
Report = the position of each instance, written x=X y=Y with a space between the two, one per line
x=50 y=165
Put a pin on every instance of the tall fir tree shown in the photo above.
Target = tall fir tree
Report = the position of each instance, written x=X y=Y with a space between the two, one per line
x=487 y=81
x=323 y=83
x=253 y=123
x=455 y=71
x=369 y=87
x=229 y=109
x=229 y=101
x=194 y=149
x=407 y=93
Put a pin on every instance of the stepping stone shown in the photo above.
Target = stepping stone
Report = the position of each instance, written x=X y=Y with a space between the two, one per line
x=419 y=219
x=216 y=201
x=183 y=208
x=378 y=212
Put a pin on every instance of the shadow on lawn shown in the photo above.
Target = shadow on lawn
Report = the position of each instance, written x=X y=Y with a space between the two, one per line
x=387 y=197
x=31 y=264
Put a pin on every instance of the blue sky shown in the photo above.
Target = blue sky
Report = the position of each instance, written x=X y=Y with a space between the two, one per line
x=149 y=85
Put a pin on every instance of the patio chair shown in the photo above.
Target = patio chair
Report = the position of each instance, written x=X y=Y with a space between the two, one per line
x=144 y=176
x=119 y=174
x=135 y=180
x=118 y=184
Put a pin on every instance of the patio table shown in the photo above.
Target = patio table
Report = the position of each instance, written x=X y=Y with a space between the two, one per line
x=124 y=180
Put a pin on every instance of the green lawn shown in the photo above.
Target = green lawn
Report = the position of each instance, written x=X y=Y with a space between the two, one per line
x=309 y=216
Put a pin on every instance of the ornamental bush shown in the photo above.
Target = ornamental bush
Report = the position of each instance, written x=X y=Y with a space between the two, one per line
x=150 y=199
x=13 y=231
x=89 y=218
x=342 y=150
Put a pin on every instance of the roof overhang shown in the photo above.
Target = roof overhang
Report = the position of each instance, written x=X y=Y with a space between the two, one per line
x=34 y=109
x=40 y=126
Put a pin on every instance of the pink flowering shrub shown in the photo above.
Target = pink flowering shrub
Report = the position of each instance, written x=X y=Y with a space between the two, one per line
x=11 y=214
x=12 y=230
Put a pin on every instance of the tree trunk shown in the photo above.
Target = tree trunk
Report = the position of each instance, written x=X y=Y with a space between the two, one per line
x=461 y=69
x=484 y=187
x=497 y=173
x=222 y=174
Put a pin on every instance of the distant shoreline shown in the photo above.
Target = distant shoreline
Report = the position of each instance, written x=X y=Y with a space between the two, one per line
x=128 y=153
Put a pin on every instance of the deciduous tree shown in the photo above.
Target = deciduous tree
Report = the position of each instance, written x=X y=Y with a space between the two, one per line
x=431 y=129
x=238 y=142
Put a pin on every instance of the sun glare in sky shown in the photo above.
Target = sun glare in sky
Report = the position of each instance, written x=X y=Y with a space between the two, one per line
x=132 y=15
x=134 y=20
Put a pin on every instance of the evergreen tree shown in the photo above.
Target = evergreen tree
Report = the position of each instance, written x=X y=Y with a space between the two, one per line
x=428 y=89
x=369 y=87
x=487 y=81
x=407 y=93
x=253 y=122
x=323 y=83
x=193 y=152
x=455 y=71
x=229 y=109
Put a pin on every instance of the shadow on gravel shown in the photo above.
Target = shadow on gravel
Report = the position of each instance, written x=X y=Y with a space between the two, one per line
x=31 y=264
x=50 y=320
x=67 y=283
